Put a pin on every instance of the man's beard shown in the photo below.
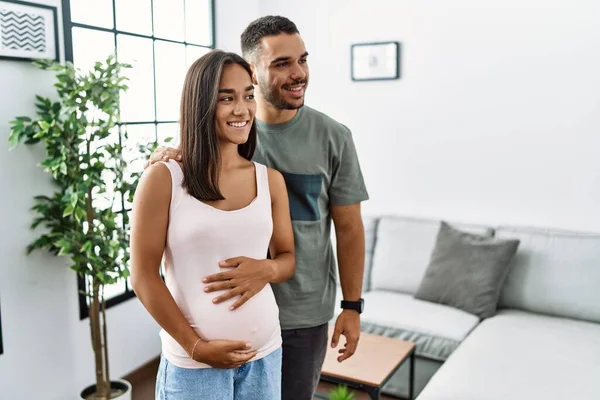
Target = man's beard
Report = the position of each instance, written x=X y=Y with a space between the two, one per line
x=276 y=99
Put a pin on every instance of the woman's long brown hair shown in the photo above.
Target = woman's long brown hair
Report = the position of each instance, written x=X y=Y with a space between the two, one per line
x=199 y=142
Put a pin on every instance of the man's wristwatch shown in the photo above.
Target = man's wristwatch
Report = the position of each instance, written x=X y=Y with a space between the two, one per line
x=354 y=305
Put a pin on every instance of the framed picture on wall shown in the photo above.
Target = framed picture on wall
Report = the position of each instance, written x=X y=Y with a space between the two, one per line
x=375 y=61
x=28 y=31
x=1 y=347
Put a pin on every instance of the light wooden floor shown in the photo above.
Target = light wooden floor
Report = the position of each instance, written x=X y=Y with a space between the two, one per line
x=143 y=382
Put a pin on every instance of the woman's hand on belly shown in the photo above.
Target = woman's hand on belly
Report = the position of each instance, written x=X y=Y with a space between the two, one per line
x=223 y=353
x=255 y=323
x=246 y=277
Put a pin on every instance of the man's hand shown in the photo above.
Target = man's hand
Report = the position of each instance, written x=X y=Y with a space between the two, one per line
x=223 y=353
x=246 y=278
x=163 y=154
x=347 y=324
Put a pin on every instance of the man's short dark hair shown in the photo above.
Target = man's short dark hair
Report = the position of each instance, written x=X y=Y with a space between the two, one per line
x=270 y=25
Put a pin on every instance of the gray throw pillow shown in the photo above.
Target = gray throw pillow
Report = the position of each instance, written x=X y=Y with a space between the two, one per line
x=467 y=271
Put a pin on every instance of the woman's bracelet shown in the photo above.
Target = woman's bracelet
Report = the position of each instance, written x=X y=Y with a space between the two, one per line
x=194 y=349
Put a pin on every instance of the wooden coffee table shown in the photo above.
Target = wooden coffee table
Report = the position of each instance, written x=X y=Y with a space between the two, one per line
x=375 y=361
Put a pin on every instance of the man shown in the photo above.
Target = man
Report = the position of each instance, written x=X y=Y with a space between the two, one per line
x=318 y=159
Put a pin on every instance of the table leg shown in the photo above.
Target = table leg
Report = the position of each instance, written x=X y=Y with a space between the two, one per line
x=411 y=377
x=373 y=393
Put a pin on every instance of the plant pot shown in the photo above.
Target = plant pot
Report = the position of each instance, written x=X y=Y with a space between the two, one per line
x=120 y=389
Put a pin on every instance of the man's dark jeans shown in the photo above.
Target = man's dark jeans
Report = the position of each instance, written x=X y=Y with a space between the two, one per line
x=303 y=355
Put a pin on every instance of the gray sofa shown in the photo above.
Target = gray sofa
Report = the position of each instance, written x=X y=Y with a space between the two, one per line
x=543 y=342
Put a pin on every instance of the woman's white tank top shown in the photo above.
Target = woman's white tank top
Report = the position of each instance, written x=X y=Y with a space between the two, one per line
x=198 y=237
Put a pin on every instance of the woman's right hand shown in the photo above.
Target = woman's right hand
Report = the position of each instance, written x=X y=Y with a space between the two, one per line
x=223 y=353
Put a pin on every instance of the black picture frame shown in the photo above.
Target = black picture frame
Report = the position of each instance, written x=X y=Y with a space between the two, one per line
x=375 y=61
x=1 y=346
x=10 y=54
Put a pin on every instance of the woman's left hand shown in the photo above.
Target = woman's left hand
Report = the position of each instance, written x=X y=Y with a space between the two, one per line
x=245 y=278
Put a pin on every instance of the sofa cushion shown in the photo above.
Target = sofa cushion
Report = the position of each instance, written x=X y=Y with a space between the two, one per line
x=403 y=249
x=555 y=273
x=436 y=329
x=370 y=225
x=522 y=356
x=467 y=271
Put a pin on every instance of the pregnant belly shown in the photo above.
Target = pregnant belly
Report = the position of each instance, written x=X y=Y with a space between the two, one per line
x=255 y=322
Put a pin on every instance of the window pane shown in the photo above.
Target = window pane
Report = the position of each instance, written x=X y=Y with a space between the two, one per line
x=134 y=16
x=91 y=46
x=92 y=12
x=139 y=134
x=164 y=131
x=104 y=200
x=170 y=74
x=114 y=290
x=169 y=20
x=192 y=53
x=137 y=103
x=198 y=24
x=109 y=290
x=144 y=134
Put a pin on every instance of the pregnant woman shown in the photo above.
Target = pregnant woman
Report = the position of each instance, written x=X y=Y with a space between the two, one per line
x=214 y=210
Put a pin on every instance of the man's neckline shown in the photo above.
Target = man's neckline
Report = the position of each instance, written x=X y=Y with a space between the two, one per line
x=283 y=125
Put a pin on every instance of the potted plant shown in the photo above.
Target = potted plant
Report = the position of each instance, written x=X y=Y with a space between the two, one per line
x=84 y=157
x=341 y=392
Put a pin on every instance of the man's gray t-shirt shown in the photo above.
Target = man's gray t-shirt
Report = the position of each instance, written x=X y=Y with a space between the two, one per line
x=318 y=160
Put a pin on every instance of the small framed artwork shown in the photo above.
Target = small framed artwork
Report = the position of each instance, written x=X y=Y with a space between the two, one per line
x=375 y=61
x=1 y=348
x=28 y=31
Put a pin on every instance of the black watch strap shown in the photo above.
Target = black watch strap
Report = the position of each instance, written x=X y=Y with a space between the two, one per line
x=354 y=305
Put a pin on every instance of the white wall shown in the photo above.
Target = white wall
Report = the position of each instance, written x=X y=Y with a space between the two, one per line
x=495 y=118
x=232 y=18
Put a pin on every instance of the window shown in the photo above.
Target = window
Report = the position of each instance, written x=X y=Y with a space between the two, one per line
x=160 y=39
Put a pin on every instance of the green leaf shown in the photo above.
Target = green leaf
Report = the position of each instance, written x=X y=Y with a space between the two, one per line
x=101 y=275
x=87 y=246
x=341 y=392
x=42 y=198
x=68 y=211
x=36 y=222
x=24 y=119
x=74 y=199
x=80 y=215
x=13 y=139
x=40 y=134
x=41 y=242
x=64 y=245
x=63 y=168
